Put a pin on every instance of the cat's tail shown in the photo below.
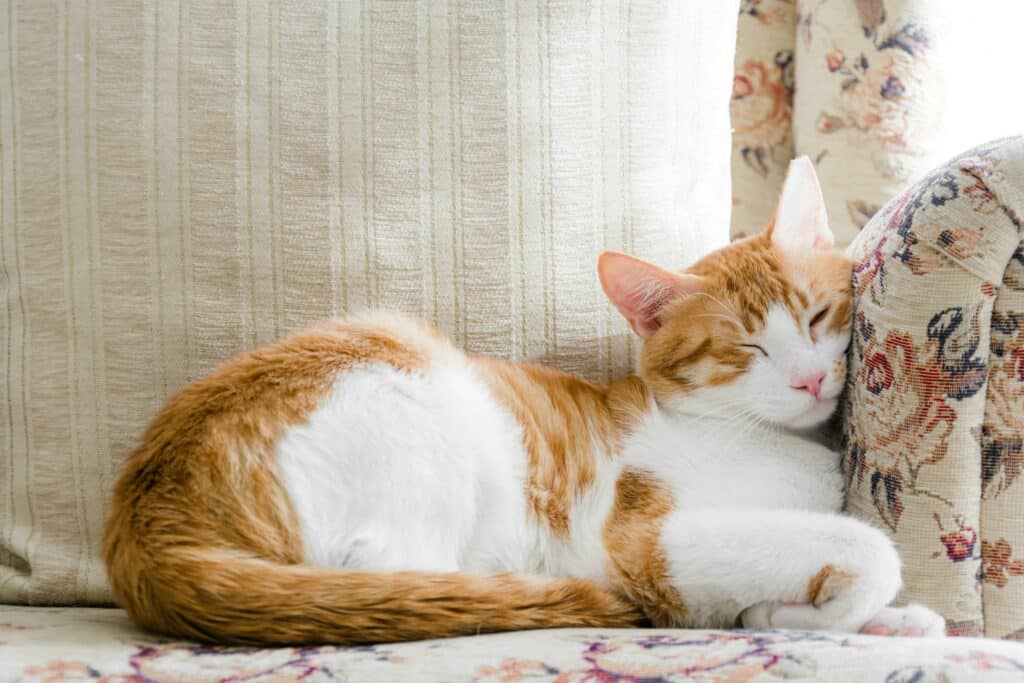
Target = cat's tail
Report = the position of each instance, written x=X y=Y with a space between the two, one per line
x=222 y=596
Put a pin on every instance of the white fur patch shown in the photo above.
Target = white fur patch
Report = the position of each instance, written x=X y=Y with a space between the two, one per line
x=409 y=471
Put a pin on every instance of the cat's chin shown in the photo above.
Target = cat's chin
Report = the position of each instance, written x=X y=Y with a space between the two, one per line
x=817 y=414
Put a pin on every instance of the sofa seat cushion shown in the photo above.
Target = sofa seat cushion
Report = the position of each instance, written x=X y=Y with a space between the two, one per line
x=56 y=644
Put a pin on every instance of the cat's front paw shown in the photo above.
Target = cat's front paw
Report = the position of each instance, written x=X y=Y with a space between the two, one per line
x=912 y=621
x=759 y=616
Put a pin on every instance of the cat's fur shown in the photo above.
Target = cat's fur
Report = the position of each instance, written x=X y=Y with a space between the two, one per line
x=365 y=481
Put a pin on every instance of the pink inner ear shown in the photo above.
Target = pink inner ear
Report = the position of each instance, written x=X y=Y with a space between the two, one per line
x=801 y=220
x=640 y=290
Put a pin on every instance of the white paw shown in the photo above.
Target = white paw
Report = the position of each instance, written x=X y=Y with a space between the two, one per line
x=831 y=616
x=759 y=616
x=910 y=621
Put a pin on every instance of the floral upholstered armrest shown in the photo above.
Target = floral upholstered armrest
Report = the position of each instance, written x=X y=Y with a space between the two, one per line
x=934 y=414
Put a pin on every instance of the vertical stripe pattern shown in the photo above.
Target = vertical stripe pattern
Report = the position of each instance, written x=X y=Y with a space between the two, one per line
x=181 y=180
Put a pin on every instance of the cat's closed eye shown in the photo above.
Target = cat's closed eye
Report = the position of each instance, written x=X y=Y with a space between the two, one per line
x=755 y=347
x=819 y=316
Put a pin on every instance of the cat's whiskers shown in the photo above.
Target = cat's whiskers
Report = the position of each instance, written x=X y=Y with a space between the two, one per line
x=735 y=418
x=723 y=316
x=729 y=309
x=747 y=417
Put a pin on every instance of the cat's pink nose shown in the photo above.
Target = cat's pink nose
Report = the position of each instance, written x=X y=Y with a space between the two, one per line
x=810 y=382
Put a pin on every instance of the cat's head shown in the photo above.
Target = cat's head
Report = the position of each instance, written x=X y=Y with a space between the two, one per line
x=758 y=329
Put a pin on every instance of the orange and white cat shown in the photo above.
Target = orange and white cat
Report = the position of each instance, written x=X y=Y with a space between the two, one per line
x=365 y=481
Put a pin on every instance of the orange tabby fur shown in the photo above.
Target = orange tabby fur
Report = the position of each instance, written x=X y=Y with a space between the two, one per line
x=203 y=541
x=560 y=415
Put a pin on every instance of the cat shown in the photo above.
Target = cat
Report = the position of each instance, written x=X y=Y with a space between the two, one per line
x=364 y=481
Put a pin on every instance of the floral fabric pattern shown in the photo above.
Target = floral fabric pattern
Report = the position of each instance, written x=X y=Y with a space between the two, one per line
x=853 y=84
x=934 y=415
x=761 y=110
x=87 y=644
x=1001 y=440
x=869 y=101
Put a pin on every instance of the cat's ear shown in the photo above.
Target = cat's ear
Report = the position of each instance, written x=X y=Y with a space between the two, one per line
x=800 y=219
x=640 y=290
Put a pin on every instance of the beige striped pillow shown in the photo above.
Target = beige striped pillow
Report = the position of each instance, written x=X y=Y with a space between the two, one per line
x=184 y=179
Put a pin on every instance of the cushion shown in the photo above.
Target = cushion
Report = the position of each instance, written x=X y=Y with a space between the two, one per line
x=869 y=100
x=934 y=416
x=56 y=644
x=761 y=111
x=182 y=180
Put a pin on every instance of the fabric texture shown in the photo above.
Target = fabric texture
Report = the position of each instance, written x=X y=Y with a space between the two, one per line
x=869 y=101
x=180 y=180
x=761 y=110
x=45 y=645
x=934 y=417
x=856 y=85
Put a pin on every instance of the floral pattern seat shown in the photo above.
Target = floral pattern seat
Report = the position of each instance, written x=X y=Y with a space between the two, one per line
x=934 y=420
x=39 y=645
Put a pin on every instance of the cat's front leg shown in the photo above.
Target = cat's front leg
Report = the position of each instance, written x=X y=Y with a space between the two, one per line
x=779 y=568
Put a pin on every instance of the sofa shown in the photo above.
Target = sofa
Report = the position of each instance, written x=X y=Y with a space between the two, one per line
x=934 y=416
x=180 y=180
x=76 y=644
